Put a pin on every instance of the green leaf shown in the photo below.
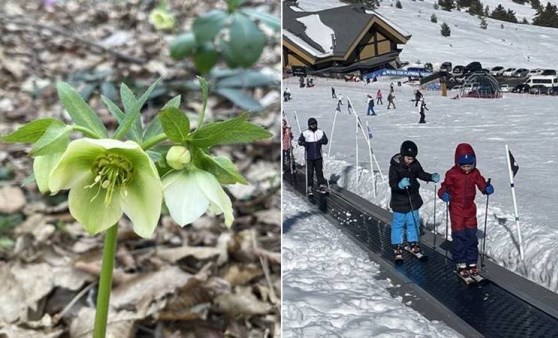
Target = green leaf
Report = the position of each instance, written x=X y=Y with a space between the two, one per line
x=154 y=128
x=132 y=117
x=175 y=124
x=129 y=101
x=246 y=40
x=240 y=98
x=184 y=45
x=233 y=4
x=113 y=109
x=223 y=169
x=30 y=132
x=228 y=55
x=208 y=25
x=82 y=114
x=236 y=130
x=205 y=58
x=269 y=20
x=204 y=86
x=55 y=140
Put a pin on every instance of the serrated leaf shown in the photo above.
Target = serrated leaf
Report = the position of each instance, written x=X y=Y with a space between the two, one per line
x=154 y=128
x=233 y=131
x=240 y=98
x=204 y=86
x=81 y=113
x=205 y=58
x=175 y=124
x=55 y=140
x=30 y=132
x=129 y=102
x=208 y=25
x=246 y=40
x=223 y=169
x=269 y=20
x=184 y=45
x=248 y=79
x=133 y=117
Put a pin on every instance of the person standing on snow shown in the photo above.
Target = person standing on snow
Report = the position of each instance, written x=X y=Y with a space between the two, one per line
x=312 y=140
x=370 y=102
x=333 y=96
x=391 y=98
x=418 y=96
x=286 y=145
x=379 y=97
x=421 y=108
x=404 y=172
x=458 y=189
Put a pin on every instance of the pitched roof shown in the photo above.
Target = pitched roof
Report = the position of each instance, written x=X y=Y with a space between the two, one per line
x=346 y=22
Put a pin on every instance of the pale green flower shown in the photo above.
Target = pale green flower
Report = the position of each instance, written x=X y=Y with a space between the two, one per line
x=178 y=157
x=107 y=178
x=161 y=19
x=189 y=193
x=42 y=167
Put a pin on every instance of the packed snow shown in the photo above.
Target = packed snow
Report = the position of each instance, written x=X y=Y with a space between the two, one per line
x=331 y=288
x=527 y=123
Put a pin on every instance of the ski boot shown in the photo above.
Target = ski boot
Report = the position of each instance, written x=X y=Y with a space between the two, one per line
x=415 y=248
x=322 y=189
x=462 y=270
x=309 y=191
x=398 y=252
x=472 y=270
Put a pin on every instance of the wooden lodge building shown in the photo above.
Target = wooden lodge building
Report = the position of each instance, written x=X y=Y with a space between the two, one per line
x=347 y=39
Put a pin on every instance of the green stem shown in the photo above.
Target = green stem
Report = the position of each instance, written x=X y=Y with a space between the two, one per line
x=154 y=141
x=85 y=131
x=105 y=284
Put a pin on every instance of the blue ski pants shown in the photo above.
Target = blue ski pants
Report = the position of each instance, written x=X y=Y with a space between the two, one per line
x=411 y=220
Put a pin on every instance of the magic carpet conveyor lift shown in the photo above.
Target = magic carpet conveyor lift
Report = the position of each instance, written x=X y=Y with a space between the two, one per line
x=505 y=305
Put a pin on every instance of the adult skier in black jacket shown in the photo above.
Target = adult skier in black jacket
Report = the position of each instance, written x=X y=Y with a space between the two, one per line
x=312 y=139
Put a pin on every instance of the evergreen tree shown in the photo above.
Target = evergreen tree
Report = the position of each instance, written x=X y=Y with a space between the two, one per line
x=446 y=31
x=486 y=11
x=521 y=2
x=446 y=5
x=464 y=3
x=525 y=21
x=536 y=5
x=434 y=18
x=476 y=8
x=510 y=16
x=499 y=13
x=436 y=6
x=483 y=23
x=547 y=17
x=398 y=4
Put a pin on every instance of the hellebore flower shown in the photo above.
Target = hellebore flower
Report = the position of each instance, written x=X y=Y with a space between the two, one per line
x=178 y=157
x=189 y=193
x=107 y=178
x=161 y=19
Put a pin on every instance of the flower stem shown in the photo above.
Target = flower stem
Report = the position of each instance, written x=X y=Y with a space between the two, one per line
x=103 y=294
x=86 y=131
x=154 y=141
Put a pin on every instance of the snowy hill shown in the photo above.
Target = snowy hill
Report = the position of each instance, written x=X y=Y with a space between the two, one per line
x=516 y=45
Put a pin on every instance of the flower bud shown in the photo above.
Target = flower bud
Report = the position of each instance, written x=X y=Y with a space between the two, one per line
x=178 y=157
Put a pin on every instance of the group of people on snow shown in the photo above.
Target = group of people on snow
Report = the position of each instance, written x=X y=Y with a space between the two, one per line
x=457 y=190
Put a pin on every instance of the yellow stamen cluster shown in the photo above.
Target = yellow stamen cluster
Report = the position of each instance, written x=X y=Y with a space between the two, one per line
x=111 y=172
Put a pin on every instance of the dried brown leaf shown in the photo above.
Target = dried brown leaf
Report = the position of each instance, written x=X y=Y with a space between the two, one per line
x=242 y=302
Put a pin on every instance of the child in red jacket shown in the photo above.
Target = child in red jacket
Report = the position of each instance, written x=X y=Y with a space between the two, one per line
x=459 y=190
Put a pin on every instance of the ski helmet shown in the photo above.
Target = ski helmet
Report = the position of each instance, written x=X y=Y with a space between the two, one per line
x=409 y=148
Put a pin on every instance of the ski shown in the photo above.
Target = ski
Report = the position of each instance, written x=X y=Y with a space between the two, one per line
x=468 y=280
x=418 y=255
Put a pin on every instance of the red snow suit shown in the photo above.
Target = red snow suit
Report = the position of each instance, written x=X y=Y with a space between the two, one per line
x=461 y=187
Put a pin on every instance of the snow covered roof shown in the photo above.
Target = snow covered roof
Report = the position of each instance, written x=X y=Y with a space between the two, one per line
x=312 y=31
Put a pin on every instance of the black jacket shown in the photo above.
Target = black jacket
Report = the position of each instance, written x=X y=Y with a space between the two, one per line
x=312 y=141
x=399 y=198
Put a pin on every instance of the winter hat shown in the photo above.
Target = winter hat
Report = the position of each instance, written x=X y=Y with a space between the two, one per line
x=312 y=121
x=409 y=148
x=466 y=159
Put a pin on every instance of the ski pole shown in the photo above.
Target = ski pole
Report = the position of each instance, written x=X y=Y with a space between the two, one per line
x=447 y=225
x=435 y=232
x=484 y=233
x=412 y=212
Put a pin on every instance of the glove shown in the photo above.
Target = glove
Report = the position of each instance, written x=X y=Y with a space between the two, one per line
x=404 y=183
x=446 y=197
x=435 y=178
x=489 y=189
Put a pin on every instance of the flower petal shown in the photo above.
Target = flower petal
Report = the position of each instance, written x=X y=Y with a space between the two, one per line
x=91 y=211
x=42 y=167
x=214 y=192
x=142 y=202
x=185 y=200
x=76 y=164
